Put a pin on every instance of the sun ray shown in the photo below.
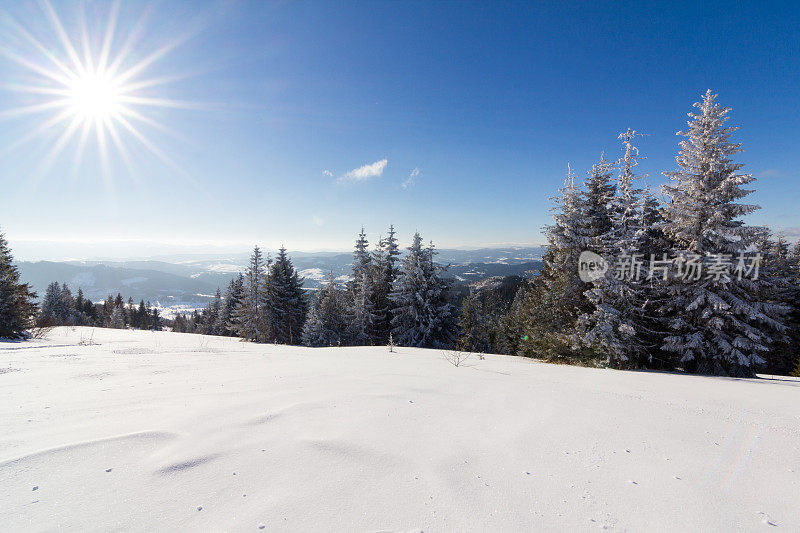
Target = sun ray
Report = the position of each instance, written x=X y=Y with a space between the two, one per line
x=30 y=65
x=34 y=89
x=87 y=48
x=54 y=121
x=132 y=113
x=31 y=109
x=62 y=34
x=41 y=48
x=163 y=102
x=109 y=36
x=127 y=45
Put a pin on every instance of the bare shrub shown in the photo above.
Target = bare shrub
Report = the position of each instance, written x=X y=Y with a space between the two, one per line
x=41 y=332
x=456 y=357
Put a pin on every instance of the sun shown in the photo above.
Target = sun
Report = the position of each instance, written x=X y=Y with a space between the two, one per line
x=94 y=96
x=89 y=83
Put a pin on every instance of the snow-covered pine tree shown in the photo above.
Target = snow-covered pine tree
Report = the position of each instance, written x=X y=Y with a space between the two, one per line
x=212 y=316
x=330 y=310
x=619 y=326
x=314 y=330
x=718 y=326
x=598 y=208
x=286 y=300
x=65 y=308
x=360 y=313
x=360 y=310
x=47 y=313
x=362 y=260
x=561 y=294
x=250 y=316
x=233 y=299
x=117 y=318
x=423 y=315
x=781 y=270
x=17 y=307
x=384 y=272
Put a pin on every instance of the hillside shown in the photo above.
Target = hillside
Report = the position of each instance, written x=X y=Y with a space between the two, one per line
x=127 y=430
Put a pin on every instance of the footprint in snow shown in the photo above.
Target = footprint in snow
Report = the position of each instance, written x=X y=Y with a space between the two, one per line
x=36 y=487
x=633 y=482
x=200 y=508
x=109 y=469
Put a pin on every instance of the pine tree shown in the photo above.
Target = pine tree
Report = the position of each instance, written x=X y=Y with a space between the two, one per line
x=361 y=295
x=117 y=320
x=287 y=304
x=17 y=307
x=48 y=314
x=384 y=273
x=143 y=316
x=234 y=295
x=780 y=268
x=78 y=307
x=473 y=331
x=598 y=210
x=360 y=313
x=618 y=326
x=251 y=315
x=314 y=333
x=717 y=326
x=562 y=292
x=212 y=316
x=155 y=320
x=65 y=307
x=423 y=315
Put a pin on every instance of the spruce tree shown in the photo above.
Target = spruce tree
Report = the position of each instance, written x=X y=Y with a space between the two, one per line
x=314 y=333
x=233 y=299
x=561 y=292
x=17 y=307
x=251 y=315
x=618 y=326
x=48 y=316
x=287 y=304
x=718 y=326
x=384 y=273
x=117 y=320
x=423 y=315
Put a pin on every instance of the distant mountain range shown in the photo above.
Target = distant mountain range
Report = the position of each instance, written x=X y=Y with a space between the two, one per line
x=190 y=281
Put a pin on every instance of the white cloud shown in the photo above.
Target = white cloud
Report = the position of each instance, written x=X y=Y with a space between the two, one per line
x=410 y=180
x=366 y=172
x=327 y=173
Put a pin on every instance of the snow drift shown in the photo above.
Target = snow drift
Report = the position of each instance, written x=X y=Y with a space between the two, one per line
x=128 y=430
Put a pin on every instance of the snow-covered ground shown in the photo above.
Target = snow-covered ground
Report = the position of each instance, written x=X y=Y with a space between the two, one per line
x=161 y=431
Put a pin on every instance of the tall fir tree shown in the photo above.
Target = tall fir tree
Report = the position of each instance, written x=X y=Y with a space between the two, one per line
x=17 y=307
x=327 y=325
x=618 y=325
x=423 y=315
x=384 y=273
x=562 y=293
x=251 y=318
x=234 y=296
x=287 y=303
x=718 y=326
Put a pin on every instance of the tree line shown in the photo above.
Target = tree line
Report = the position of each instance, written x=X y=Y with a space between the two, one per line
x=386 y=297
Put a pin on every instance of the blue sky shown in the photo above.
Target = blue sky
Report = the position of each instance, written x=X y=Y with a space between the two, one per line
x=489 y=102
